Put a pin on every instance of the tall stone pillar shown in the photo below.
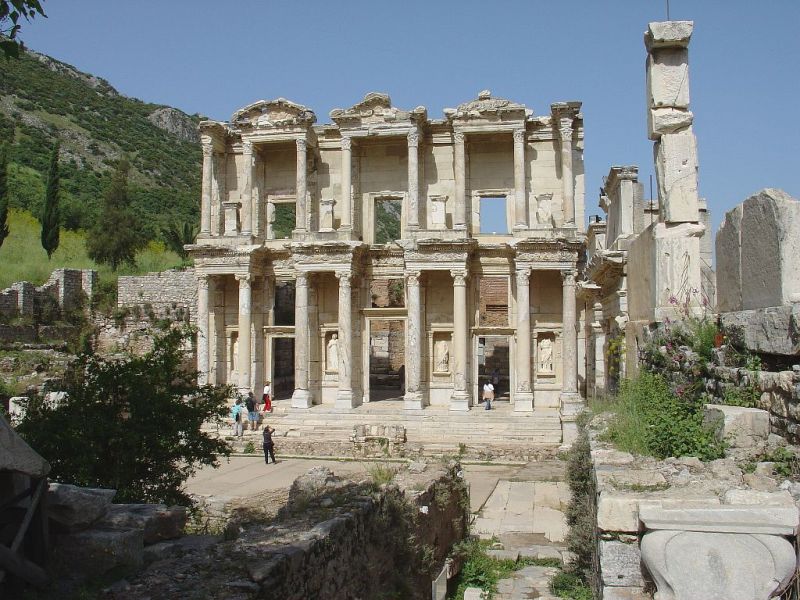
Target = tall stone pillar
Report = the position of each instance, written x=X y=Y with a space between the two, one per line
x=203 y=366
x=520 y=193
x=571 y=403
x=247 y=190
x=412 y=210
x=346 y=222
x=460 y=399
x=301 y=398
x=567 y=179
x=460 y=210
x=344 y=398
x=205 y=207
x=523 y=396
x=414 y=398
x=301 y=186
x=245 y=323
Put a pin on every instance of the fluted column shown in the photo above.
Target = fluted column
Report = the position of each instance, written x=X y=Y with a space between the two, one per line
x=247 y=190
x=301 y=185
x=413 y=398
x=244 y=365
x=571 y=403
x=344 y=398
x=460 y=210
x=346 y=221
x=460 y=399
x=567 y=180
x=412 y=210
x=205 y=207
x=523 y=398
x=203 y=365
x=301 y=398
x=520 y=194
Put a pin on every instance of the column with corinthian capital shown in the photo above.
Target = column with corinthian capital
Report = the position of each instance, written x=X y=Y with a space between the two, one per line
x=567 y=179
x=301 y=186
x=520 y=193
x=523 y=396
x=203 y=366
x=571 y=403
x=301 y=398
x=346 y=219
x=460 y=173
x=245 y=323
x=344 y=398
x=205 y=204
x=414 y=398
x=246 y=215
x=460 y=400
x=412 y=210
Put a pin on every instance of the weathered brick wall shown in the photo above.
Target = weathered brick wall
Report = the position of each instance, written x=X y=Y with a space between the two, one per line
x=163 y=291
x=494 y=301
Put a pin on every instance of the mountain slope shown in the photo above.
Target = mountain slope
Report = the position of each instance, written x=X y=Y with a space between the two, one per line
x=42 y=99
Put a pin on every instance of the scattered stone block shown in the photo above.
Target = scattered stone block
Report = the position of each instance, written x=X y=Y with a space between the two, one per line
x=741 y=427
x=620 y=564
x=157 y=521
x=94 y=552
x=73 y=508
x=473 y=593
x=755 y=497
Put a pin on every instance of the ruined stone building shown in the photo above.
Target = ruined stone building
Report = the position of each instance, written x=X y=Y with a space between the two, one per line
x=320 y=244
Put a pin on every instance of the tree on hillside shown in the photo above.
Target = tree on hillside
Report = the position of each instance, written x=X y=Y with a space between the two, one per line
x=3 y=193
x=11 y=11
x=177 y=236
x=133 y=425
x=114 y=239
x=51 y=215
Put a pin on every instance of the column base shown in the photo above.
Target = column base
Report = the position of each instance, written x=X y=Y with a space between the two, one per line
x=459 y=401
x=523 y=401
x=302 y=399
x=345 y=399
x=413 y=401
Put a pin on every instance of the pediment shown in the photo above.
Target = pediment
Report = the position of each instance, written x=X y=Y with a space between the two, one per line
x=266 y=114
x=375 y=109
x=486 y=106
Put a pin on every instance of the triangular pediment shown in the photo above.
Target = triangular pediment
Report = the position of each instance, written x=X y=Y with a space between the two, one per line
x=486 y=106
x=281 y=112
x=375 y=109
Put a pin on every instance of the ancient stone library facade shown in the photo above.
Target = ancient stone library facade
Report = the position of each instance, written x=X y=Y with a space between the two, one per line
x=325 y=251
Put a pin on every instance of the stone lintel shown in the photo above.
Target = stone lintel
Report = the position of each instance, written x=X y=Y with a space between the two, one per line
x=668 y=34
x=772 y=520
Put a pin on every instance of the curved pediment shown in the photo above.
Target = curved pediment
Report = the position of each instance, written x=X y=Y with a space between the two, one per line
x=488 y=107
x=273 y=113
x=375 y=109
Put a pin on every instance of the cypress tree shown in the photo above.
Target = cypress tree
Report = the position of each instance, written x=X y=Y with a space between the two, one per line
x=3 y=193
x=51 y=217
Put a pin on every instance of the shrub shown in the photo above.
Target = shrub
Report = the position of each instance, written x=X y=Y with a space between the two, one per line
x=569 y=585
x=380 y=474
x=580 y=539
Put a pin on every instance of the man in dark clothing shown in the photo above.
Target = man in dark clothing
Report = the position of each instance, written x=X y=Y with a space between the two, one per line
x=252 y=413
x=269 y=446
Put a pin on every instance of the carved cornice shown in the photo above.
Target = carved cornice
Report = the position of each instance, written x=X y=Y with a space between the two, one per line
x=376 y=111
x=271 y=114
x=486 y=107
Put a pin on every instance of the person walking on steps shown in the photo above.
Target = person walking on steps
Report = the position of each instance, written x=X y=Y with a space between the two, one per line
x=488 y=395
x=269 y=445
x=266 y=398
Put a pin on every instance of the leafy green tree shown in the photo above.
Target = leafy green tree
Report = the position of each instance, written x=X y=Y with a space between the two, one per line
x=115 y=238
x=132 y=424
x=51 y=215
x=3 y=193
x=176 y=236
x=11 y=11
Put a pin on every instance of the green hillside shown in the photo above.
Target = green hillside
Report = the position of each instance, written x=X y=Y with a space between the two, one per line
x=42 y=99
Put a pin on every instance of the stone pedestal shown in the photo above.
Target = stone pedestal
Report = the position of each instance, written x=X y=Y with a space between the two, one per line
x=460 y=400
x=245 y=323
x=413 y=398
x=301 y=398
x=523 y=396
x=438 y=208
x=231 y=211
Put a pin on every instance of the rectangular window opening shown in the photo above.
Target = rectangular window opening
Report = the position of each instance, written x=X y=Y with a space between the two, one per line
x=493 y=215
x=387 y=219
x=284 y=222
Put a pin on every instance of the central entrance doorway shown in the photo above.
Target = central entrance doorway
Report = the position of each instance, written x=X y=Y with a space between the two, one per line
x=494 y=366
x=387 y=359
x=282 y=367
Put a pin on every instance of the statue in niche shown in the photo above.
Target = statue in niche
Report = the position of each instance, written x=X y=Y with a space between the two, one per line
x=441 y=356
x=332 y=354
x=326 y=215
x=546 y=355
x=544 y=212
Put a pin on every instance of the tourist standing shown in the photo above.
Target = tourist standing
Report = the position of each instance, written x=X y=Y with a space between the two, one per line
x=269 y=445
x=252 y=413
x=267 y=398
x=236 y=415
x=488 y=395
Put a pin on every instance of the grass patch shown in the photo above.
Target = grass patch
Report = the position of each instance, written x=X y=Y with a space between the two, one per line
x=381 y=474
x=569 y=585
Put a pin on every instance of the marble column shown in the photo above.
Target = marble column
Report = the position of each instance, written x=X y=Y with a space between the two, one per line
x=413 y=398
x=244 y=365
x=412 y=210
x=203 y=365
x=301 y=398
x=460 y=209
x=218 y=162
x=346 y=220
x=460 y=399
x=520 y=194
x=567 y=179
x=205 y=206
x=523 y=397
x=571 y=403
x=344 y=398
x=301 y=186
x=247 y=190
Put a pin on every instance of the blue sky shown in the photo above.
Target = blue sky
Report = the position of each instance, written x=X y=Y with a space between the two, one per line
x=214 y=57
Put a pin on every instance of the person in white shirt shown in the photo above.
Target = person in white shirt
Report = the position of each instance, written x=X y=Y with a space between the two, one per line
x=266 y=399
x=488 y=394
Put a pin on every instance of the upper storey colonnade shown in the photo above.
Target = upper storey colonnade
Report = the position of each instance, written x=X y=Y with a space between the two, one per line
x=271 y=161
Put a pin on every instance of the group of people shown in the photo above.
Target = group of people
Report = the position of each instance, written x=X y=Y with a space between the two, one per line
x=248 y=407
